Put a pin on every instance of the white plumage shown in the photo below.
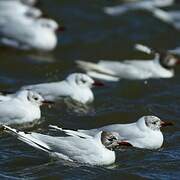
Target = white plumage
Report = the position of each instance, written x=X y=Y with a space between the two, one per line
x=77 y=148
x=21 y=27
x=76 y=86
x=148 y=5
x=159 y=67
x=144 y=133
x=21 y=107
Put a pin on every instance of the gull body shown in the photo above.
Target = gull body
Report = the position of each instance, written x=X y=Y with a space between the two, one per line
x=145 y=133
x=170 y=17
x=76 y=86
x=79 y=148
x=21 y=107
x=16 y=8
x=148 y=5
x=26 y=2
x=23 y=28
x=151 y=6
x=159 y=67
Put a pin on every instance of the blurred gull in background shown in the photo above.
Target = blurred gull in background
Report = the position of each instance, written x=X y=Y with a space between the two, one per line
x=171 y=17
x=27 y=2
x=22 y=27
x=14 y=8
x=76 y=86
x=148 y=5
x=160 y=67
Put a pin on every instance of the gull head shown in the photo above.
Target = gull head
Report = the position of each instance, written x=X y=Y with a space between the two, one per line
x=154 y=123
x=35 y=98
x=168 y=60
x=82 y=80
x=48 y=24
x=109 y=139
x=33 y=12
x=29 y=2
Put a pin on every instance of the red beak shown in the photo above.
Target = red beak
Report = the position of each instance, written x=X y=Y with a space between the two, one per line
x=61 y=29
x=164 y=124
x=48 y=102
x=124 y=143
x=178 y=61
x=98 y=83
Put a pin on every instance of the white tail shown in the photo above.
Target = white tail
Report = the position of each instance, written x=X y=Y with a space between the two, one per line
x=143 y=48
x=70 y=132
x=28 y=138
x=89 y=66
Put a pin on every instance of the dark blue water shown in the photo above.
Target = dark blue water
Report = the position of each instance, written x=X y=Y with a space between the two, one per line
x=92 y=35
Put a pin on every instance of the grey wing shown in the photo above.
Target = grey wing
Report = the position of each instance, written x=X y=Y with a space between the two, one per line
x=125 y=132
x=69 y=148
x=131 y=69
x=119 y=68
x=51 y=91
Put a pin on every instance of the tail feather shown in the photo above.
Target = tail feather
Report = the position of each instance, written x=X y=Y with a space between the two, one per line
x=146 y=49
x=70 y=132
x=102 y=76
x=89 y=66
x=143 y=48
x=28 y=138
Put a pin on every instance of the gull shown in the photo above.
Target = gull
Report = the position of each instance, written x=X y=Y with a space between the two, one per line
x=77 y=147
x=144 y=133
x=152 y=6
x=21 y=107
x=16 y=8
x=26 y=33
x=76 y=86
x=148 y=5
x=26 y=2
x=161 y=66
x=170 y=17
x=22 y=27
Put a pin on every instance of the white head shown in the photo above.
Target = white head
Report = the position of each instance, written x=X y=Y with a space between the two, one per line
x=153 y=122
x=30 y=96
x=33 y=12
x=29 y=2
x=48 y=24
x=35 y=98
x=109 y=139
x=82 y=80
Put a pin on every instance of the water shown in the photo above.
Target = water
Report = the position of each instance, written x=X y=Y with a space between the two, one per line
x=92 y=35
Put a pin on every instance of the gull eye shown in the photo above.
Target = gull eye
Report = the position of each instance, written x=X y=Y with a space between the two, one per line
x=83 y=81
x=112 y=139
x=36 y=98
x=154 y=123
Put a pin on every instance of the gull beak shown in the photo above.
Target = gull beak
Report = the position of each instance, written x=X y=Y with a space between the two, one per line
x=48 y=103
x=61 y=29
x=124 y=143
x=98 y=83
x=164 y=124
x=178 y=61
